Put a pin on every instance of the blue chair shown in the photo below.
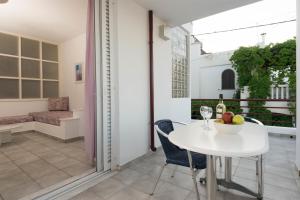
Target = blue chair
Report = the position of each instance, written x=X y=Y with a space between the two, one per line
x=252 y=120
x=177 y=156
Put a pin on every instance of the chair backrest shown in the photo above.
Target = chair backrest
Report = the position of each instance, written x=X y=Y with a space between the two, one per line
x=252 y=120
x=164 y=128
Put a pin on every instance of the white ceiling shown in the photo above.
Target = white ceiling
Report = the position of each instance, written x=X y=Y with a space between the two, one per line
x=59 y=20
x=178 y=12
x=50 y=20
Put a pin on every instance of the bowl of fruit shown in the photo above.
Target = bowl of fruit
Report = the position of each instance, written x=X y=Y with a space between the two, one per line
x=230 y=123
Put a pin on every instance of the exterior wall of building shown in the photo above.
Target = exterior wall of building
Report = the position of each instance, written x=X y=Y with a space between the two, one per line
x=132 y=61
x=206 y=74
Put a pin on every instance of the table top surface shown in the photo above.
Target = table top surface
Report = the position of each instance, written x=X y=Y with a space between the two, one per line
x=252 y=140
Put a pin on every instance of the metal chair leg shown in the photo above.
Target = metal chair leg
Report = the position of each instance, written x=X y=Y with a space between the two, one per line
x=174 y=171
x=194 y=173
x=256 y=162
x=260 y=177
x=220 y=161
x=158 y=178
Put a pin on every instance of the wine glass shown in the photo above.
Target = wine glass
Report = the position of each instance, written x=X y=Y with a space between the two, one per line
x=204 y=112
x=209 y=115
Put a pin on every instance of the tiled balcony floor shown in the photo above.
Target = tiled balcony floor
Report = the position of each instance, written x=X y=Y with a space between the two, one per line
x=34 y=161
x=136 y=180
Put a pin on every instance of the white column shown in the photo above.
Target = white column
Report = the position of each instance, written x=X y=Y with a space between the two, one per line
x=245 y=95
x=272 y=92
x=282 y=91
x=298 y=87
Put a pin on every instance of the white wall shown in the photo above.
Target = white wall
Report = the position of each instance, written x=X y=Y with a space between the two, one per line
x=206 y=73
x=133 y=85
x=133 y=80
x=166 y=107
x=22 y=107
x=72 y=52
x=298 y=86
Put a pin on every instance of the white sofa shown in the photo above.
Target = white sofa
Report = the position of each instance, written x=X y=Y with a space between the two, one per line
x=68 y=128
x=57 y=122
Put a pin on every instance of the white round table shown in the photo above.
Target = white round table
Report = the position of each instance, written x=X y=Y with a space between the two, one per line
x=252 y=140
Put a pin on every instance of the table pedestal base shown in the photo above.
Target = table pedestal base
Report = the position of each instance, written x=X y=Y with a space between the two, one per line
x=227 y=181
x=211 y=178
x=238 y=187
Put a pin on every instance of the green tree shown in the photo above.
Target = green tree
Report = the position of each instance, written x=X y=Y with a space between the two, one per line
x=259 y=68
x=284 y=63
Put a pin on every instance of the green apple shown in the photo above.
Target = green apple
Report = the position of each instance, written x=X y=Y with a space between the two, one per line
x=238 y=119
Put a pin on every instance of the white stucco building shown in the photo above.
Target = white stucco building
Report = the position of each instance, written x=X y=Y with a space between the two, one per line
x=206 y=73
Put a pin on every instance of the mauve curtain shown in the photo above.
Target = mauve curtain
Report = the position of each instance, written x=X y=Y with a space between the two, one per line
x=90 y=84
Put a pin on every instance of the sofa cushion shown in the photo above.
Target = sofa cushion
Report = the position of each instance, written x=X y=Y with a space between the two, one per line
x=58 y=104
x=15 y=119
x=52 y=117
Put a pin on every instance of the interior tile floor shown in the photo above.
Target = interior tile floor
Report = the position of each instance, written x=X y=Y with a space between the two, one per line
x=136 y=180
x=33 y=161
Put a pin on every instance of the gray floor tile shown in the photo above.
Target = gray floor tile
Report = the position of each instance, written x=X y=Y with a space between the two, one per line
x=64 y=163
x=144 y=184
x=53 y=156
x=51 y=179
x=288 y=183
x=129 y=194
x=180 y=179
x=27 y=164
x=107 y=188
x=278 y=193
x=13 y=180
x=168 y=191
x=87 y=195
x=246 y=173
x=19 y=191
x=38 y=168
x=3 y=158
x=77 y=169
x=128 y=176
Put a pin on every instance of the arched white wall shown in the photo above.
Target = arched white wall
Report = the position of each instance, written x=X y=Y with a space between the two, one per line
x=206 y=75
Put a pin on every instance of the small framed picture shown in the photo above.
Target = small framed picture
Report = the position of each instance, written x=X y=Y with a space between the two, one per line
x=78 y=73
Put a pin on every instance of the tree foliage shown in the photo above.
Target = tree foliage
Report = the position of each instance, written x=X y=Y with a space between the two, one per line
x=259 y=68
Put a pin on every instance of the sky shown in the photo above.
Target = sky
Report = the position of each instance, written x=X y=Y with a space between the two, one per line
x=263 y=12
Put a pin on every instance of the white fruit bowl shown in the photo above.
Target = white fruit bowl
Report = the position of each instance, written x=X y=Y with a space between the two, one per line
x=228 y=128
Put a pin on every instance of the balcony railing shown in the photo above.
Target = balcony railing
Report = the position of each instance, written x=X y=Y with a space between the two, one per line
x=280 y=92
x=274 y=113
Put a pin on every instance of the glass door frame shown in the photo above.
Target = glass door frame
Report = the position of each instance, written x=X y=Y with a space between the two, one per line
x=103 y=165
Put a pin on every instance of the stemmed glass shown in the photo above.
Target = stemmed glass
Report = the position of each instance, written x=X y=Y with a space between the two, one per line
x=208 y=116
x=206 y=113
